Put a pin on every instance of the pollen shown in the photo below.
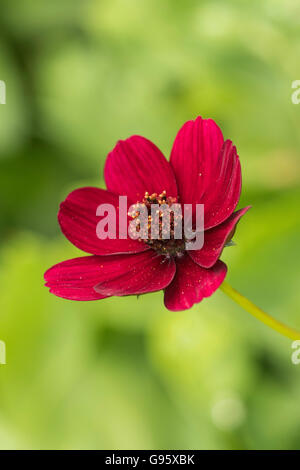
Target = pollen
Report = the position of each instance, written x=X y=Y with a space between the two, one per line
x=163 y=231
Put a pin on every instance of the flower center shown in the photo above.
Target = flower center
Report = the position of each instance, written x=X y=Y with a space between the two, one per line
x=162 y=229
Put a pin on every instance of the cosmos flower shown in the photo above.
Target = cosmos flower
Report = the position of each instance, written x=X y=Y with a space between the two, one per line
x=203 y=169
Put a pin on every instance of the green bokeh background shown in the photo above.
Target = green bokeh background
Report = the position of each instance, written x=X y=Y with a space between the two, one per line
x=126 y=373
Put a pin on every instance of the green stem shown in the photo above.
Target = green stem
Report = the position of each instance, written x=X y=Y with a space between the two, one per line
x=258 y=313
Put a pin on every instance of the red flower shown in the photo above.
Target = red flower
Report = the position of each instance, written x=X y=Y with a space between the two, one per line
x=203 y=169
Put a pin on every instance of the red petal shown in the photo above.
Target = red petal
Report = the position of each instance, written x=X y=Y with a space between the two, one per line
x=225 y=190
x=192 y=283
x=78 y=221
x=135 y=166
x=137 y=274
x=207 y=170
x=215 y=239
x=74 y=279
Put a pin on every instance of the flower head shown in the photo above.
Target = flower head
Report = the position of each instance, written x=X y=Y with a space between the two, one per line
x=203 y=169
